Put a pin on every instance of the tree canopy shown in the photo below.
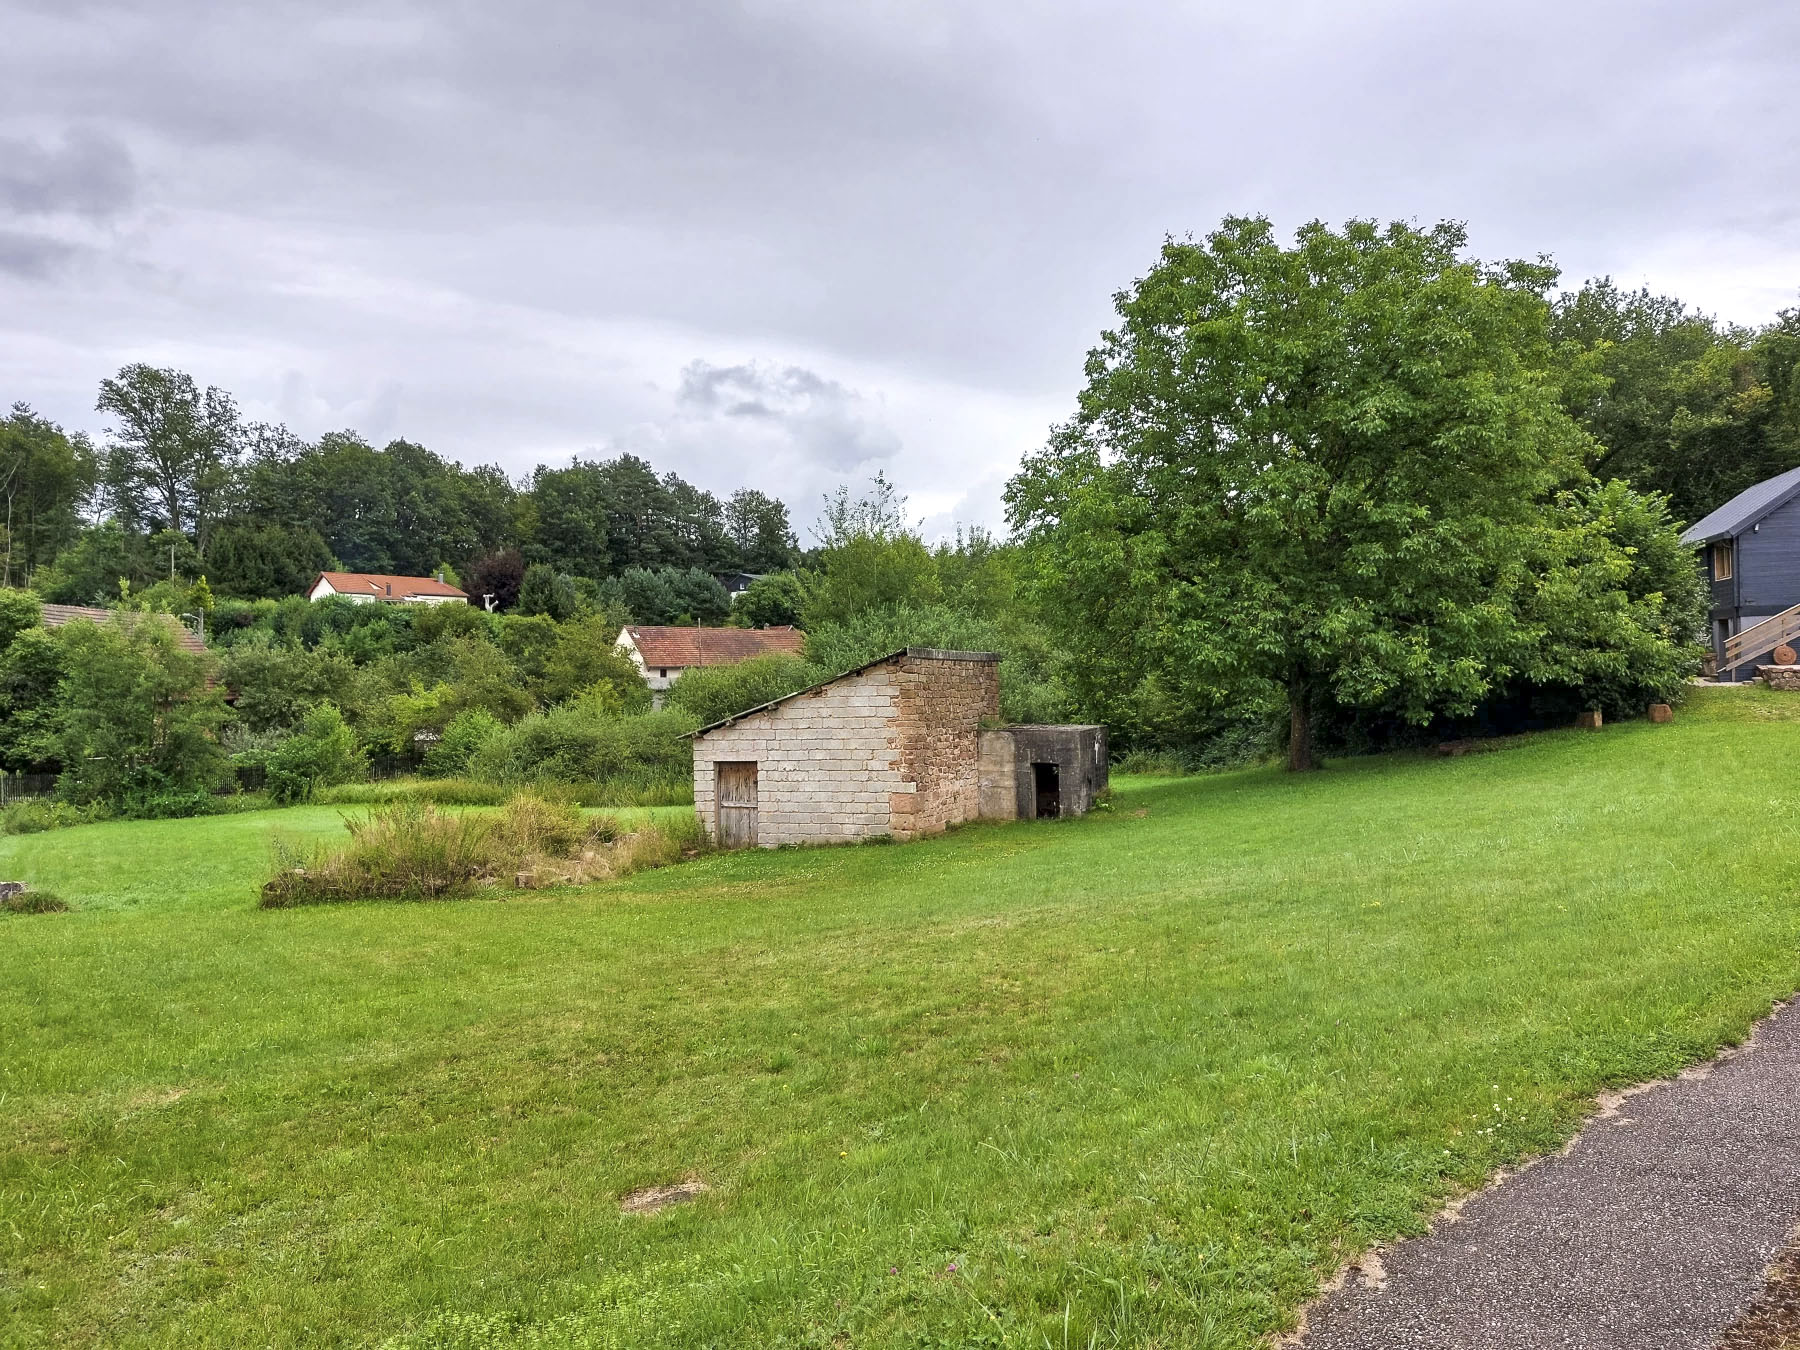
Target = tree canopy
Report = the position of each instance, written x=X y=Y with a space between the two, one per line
x=1323 y=469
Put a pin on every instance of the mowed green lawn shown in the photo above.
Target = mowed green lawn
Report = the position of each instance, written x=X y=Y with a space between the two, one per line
x=1140 y=1079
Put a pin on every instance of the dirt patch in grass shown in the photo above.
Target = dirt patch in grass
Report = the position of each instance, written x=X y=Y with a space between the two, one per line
x=654 y=1199
x=1773 y=1321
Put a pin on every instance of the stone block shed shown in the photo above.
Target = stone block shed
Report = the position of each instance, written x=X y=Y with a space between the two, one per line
x=904 y=746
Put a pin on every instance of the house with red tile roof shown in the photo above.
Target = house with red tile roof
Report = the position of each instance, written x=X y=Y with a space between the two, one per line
x=373 y=587
x=661 y=654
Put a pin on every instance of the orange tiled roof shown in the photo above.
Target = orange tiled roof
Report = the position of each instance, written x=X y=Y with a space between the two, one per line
x=680 y=647
x=385 y=587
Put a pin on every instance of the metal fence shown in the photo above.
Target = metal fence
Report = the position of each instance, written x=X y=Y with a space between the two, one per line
x=15 y=786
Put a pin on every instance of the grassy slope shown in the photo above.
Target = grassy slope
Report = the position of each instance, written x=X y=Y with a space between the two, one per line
x=1138 y=1078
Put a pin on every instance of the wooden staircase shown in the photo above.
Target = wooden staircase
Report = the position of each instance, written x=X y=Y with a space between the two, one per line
x=1764 y=637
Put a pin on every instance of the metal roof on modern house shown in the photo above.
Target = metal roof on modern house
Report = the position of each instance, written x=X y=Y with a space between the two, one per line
x=55 y=616
x=678 y=648
x=1744 y=510
x=385 y=587
x=926 y=653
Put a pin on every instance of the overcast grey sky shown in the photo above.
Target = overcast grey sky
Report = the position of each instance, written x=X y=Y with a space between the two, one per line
x=785 y=243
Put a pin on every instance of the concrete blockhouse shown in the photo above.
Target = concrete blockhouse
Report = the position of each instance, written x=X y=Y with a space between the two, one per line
x=1036 y=772
x=901 y=747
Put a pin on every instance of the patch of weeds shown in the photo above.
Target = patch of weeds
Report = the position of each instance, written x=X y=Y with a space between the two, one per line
x=32 y=902
x=412 y=850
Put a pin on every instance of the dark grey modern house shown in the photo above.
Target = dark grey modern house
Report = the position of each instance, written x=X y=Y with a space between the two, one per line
x=1750 y=556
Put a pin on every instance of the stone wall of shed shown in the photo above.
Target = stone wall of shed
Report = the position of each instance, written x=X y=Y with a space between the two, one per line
x=941 y=704
x=828 y=762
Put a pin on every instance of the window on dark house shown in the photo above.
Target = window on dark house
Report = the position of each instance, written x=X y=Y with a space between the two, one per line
x=1721 y=558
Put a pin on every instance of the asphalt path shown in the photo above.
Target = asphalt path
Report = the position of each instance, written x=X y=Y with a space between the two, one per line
x=1652 y=1231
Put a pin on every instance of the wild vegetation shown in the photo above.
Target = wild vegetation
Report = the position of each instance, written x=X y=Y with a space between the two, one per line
x=1139 y=1078
x=1340 y=476
x=413 y=850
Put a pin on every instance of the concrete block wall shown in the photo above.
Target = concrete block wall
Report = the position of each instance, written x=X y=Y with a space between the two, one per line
x=999 y=776
x=888 y=750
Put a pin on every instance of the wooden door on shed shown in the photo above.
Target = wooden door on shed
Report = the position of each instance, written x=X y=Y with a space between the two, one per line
x=736 y=797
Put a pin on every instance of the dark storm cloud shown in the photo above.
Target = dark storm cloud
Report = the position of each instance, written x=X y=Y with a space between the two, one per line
x=88 y=173
x=531 y=219
x=31 y=256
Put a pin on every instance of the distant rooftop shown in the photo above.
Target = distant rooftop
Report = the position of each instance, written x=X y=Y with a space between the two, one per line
x=385 y=587
x=672 y=648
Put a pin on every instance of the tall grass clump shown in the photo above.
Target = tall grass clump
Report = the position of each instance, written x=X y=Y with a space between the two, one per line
x=414 y=850
x=34 y=815
x=32 y=902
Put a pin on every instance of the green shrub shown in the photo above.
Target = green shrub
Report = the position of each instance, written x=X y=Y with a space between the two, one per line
x=577 y=744
x=140 y=720
x=712 y=693
x=324 y=752
x=771 y=601
x=1154 y=763
x=468 y=731
x=33 y=902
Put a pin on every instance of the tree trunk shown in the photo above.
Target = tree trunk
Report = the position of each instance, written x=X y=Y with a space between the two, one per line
x=1300 y=738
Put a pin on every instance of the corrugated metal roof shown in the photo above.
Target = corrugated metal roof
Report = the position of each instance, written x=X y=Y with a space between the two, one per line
x=1744 y=510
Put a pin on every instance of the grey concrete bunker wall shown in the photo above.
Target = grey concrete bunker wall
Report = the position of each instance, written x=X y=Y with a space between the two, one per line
x=1058 y=770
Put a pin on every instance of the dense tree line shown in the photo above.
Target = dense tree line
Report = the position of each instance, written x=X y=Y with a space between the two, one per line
x=1677 y=402
x=183 y=487
x=1339 y=494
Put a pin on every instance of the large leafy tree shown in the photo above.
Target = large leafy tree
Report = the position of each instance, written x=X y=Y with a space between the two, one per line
x=140 y=720
x=45 y=479
x=174 y=451
x=1316 y=468
x=756 y=525
x=569 y=520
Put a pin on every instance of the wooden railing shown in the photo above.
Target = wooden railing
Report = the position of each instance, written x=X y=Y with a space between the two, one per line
x=1766 y=636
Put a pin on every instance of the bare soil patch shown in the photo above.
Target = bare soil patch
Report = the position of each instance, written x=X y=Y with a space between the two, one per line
x=1773 y=1321
x=653 y=1199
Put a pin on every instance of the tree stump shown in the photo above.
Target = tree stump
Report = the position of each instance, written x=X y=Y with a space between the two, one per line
x=1589 y=720
x=1784 y=655
x=1661 y=712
